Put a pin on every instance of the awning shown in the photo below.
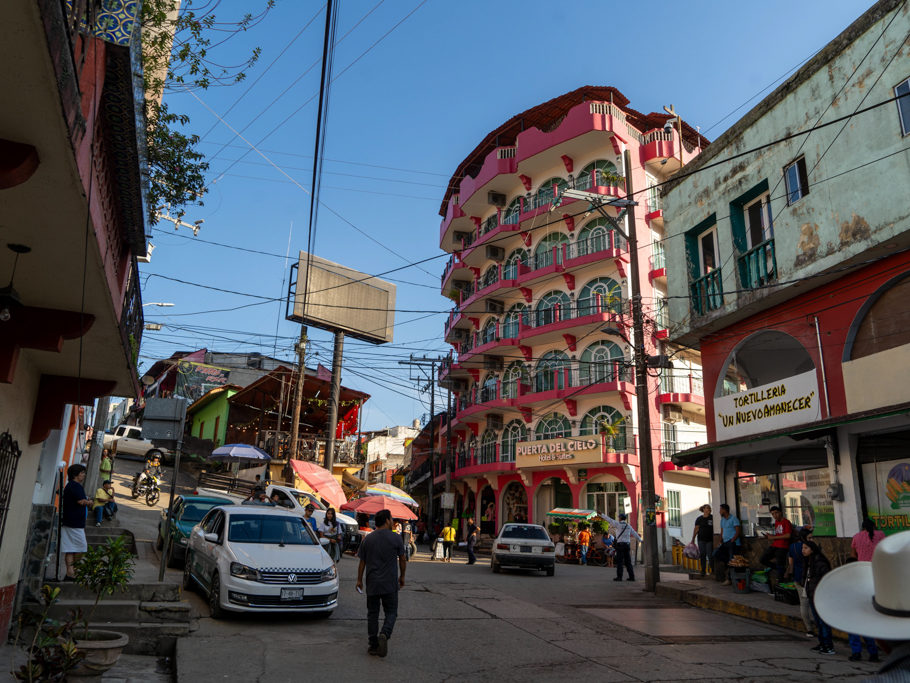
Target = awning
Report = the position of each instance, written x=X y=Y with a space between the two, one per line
x=321 y=481
x=816 y=430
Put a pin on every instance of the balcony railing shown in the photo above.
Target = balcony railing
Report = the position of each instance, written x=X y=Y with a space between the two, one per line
x=670 y=448
x=707 y=293
x=598 y=178
x=490 y=224
x=584 y=307
x=661 y=314
x=609 y=241
x=658 y=256
x=758 y=266
x=679 y=382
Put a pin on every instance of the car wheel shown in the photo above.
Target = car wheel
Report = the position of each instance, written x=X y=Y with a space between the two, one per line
x=187 y=576
x=152 y=497
x=551 y=571
x=495 y=566
x=216 y=611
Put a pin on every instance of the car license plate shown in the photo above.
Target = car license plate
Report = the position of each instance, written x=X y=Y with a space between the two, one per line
x=525 y=548
x=537 y=549
x=291 y=593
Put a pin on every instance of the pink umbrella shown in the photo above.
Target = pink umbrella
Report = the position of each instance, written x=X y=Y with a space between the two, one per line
x=321 y=481
x=372 y=504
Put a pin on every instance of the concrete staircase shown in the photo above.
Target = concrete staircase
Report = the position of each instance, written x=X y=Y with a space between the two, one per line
x=98 y=535
x=151 y=614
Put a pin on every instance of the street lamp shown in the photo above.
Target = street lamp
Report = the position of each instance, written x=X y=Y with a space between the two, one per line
x=161 y=304
x=641 y=360
x=194 y=226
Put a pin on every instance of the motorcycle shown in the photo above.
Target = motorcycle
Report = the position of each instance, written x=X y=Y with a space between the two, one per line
x=147 y=486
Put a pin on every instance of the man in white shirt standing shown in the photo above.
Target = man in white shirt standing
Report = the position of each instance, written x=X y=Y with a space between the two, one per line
x=623 y=544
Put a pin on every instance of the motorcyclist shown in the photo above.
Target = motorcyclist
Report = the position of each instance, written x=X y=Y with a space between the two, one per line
x=152 y=469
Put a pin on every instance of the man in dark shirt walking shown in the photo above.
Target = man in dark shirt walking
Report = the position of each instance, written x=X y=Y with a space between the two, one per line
x=472 y=532
x=704 y=534
x=383 y=558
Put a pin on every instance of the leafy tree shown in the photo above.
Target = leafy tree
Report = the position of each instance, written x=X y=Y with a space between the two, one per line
x=179 y=45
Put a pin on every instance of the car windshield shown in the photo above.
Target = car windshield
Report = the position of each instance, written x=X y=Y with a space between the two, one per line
x=268 y=529
x=525 y=532
x=305 y=499
x=195 y=511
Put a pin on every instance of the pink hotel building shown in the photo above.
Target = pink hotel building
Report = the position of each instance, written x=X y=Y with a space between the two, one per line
x=541 y=371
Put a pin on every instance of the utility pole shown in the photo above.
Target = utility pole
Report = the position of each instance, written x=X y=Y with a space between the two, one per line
x=333 y=401
x=94 y=454
x=448 y=513
x=422 y=362
x=298 y=399
x=652 y=562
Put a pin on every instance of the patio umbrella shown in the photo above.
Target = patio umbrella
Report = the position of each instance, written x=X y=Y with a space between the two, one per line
x=390 y=491
x=321 y=481
x=572 y=513
x=239 y=452
x=370 y=505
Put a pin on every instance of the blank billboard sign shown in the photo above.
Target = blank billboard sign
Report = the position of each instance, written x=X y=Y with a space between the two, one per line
x=343 y=299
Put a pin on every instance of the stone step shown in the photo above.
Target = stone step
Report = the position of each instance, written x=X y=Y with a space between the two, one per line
x=152 y=591
x=109 y=610
x=98 y=535
x=148 y=638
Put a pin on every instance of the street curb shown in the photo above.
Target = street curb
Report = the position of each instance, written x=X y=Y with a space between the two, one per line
x=693 y=596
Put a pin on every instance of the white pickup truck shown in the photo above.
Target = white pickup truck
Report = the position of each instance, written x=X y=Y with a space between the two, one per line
x=289 y=498
x=127 y=440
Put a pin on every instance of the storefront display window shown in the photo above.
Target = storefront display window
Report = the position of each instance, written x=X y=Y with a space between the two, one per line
x=609 y=498
x=885 y=470
x=801 y=495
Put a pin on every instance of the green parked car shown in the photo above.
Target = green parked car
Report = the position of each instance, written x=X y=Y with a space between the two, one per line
x=188 y=511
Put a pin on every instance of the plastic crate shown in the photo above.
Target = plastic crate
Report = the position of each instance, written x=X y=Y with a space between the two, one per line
x=788 y=596
x=740 y=578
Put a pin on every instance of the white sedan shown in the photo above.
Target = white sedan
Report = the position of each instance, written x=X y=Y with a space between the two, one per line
x=524 y=546
x=251 y=558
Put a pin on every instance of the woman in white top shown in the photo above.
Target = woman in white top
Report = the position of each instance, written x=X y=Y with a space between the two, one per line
x=332 y=530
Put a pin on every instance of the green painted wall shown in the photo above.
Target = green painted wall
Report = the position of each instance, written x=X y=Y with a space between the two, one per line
x=209 y=414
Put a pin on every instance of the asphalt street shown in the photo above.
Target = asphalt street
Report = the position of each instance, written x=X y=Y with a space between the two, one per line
x=464 y=623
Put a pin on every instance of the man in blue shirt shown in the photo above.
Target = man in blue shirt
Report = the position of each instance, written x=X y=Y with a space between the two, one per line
x=731 y=535
x=309 y=519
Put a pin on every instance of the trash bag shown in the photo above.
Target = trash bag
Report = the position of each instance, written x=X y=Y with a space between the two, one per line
x=691 y=551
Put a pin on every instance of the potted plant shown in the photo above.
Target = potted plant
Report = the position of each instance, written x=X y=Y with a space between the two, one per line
x=610 y=432
x=102 y=570
x=52 y=652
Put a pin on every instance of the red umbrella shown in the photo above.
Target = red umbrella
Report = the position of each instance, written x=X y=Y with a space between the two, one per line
x=373 y=504
x=320 y=480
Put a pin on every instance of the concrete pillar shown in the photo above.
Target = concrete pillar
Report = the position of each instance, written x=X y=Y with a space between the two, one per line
x=848 y=514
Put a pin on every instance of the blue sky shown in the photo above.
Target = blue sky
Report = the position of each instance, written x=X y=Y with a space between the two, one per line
x=402 y=115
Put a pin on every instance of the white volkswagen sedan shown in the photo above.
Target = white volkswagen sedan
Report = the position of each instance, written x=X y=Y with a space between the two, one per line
x=251 y=558
x=524 y=546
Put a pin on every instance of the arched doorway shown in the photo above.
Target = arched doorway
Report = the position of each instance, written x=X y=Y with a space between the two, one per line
x=514 y=503
x=608 y=495
x=487 y=511
x=551 y=493
x=470 y=510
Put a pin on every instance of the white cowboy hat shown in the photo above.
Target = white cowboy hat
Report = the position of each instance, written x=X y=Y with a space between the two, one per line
x=870 y=598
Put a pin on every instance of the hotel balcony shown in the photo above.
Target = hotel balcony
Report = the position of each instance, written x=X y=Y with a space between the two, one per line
x=489 y=341
x=473 y=298
x=654 y=214
x=758 y=266
x=670 y=448
x=569 y=384
x=456 y=321
x=571 y=322
x=488 y=231
x=455 y=267
x=497 y=174
x=660 y=151
x=453 y=226
x=657 y=269
x=682 y=387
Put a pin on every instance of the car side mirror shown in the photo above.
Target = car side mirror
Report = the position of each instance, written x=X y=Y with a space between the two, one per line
x=324 y=541
x=211 y=538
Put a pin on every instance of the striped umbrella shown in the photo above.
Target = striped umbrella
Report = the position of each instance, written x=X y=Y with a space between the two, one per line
x=572 y=513
x=392 y=492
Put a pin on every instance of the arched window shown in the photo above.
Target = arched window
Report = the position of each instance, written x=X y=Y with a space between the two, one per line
x=549 y=373
x=548 y=247
x=553 y=426
x=598 y=235
x=552 y=307
x=512 y=212
x=490 y=276
x=488 y=447
x=609 y=422
x=515 y=375
x=512 y=433
x=548 y=190
x=599 y=296
x=602 y=361
x=488 y=333
x=510 y=267
x=510 y=322
x=488 y=389
x=600 y=172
